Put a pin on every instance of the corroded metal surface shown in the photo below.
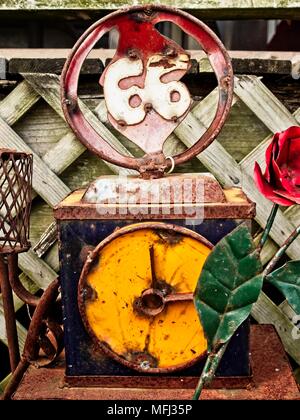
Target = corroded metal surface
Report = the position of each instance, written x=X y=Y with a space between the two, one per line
x=155 y=382
x=272 y=379
x=37 y=336
x=15 y=204
x=176 y=188
x=135 y=296
x=10 y=317
x=145 y=99
x=77 y=239
x=236 y=206
x=15 y=283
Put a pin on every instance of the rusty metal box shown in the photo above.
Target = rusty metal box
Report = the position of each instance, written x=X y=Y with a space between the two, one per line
x=82 y=227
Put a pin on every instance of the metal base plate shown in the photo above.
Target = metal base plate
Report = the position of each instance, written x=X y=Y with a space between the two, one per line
x=272 y=379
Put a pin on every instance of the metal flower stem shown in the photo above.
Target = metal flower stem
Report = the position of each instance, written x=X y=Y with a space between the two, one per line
x=210 y=367
x=281 y=251
x=269 y=225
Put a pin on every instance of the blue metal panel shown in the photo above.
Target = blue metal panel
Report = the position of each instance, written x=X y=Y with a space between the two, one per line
x=82 y=358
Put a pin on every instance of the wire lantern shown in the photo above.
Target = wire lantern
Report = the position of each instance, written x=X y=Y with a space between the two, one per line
x=15 y=200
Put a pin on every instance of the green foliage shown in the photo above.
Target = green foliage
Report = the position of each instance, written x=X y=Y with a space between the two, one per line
x=287 y=280
x=228 y=286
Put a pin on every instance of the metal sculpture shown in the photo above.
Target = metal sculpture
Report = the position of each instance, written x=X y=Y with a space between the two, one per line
x=125 y=287
x=45 y=332
x=144 y=97
x=15 y=203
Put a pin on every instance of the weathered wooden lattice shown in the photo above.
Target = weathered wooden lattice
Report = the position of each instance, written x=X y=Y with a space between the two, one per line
x=60 y=165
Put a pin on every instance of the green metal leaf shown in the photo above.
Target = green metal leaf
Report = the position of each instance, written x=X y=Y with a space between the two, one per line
x=287 y=280
x=228 y=286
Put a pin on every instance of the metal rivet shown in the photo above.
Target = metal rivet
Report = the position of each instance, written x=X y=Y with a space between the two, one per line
x=170 y=52
x=133 y=54
x=122 y=123
x=145 y=364
x=147 y=107
x=148 y=11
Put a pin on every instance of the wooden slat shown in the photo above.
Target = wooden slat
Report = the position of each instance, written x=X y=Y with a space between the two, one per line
x=209 y=157
x=45 y=182
x=263 y=103
x=18 y=102
x=4 y=383
x=41 y=128
x=258 y=154
x=29 y=285
x=47 y=239
x=266 y=312
x=219 y=162
x=47 y=85
x=63 y=153
x=287 y=310
x=48 y=60
x=208 y=8
x=20 y=329
x=52 y=65
x=3 y=68
x=36 y=268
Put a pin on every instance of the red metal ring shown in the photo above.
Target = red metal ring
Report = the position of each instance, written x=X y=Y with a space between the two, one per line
x=210 y=43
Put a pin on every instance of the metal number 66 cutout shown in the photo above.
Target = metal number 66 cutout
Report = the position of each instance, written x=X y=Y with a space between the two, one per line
x=143 y=91
x=170 y=99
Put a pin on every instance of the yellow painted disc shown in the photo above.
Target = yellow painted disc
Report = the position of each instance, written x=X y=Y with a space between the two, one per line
x=113 y=280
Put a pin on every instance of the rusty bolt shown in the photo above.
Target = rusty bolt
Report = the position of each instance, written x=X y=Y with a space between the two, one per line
x=121 y=123
x=71 y=103
x=147 y=107
x=225 y=82
x=145 y=364
x=85 y=252
x=170 y=52
x=88 y=293
x=148 y=11
x=133 y=54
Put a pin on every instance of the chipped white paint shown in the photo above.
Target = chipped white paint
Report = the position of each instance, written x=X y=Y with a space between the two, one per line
x=155 y=93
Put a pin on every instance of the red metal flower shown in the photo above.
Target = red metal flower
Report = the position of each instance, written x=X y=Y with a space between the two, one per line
x=281 y=180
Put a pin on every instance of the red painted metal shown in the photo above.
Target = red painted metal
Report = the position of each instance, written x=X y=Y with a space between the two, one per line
x=135 y=25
